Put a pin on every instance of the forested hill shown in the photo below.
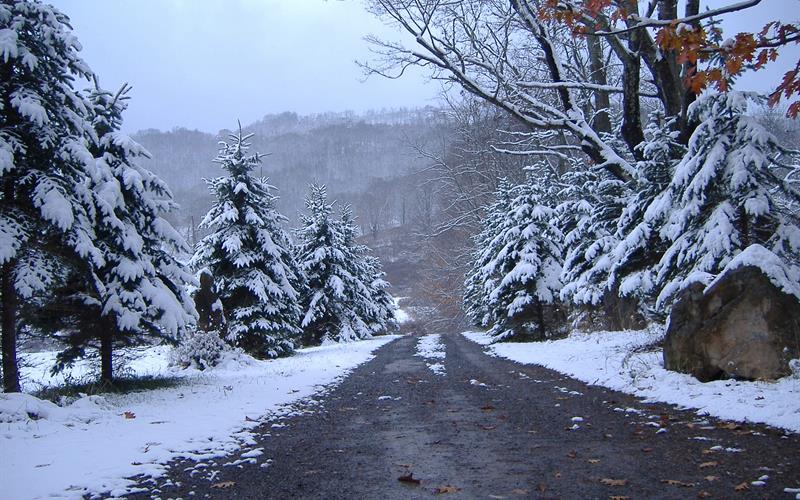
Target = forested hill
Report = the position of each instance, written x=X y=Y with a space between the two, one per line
x=343 y=150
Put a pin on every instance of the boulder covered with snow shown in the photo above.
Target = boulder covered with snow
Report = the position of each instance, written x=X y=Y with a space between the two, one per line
x=741 y=326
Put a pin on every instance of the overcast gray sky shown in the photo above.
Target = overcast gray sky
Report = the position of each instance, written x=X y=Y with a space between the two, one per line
x=205 y=63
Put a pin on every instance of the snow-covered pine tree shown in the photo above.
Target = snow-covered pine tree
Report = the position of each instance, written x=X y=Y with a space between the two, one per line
x=375 y=304
x=383 y=319
x=487 y=245
x=44 y=161
x=249 y=255
x=335 y=298
x=639 y=245
x=527 y=266
x=724 y=198
x=139 y=293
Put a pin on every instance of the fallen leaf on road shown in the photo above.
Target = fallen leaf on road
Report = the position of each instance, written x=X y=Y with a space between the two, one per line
x=223 y=485
x=572 y=454
x=704 y=494
x=614 y=482
x=675 y=482
x=593 y=461
x=707 y=452
x=711 y=479
x=706 y=465
x=408 y=478
x=731 y=426
x=619 y=497
x=541 y=487
x=742 y=487
x=487 y=408
x=647 y=450
x=442 y=490
x=129 y=414
x=519 y=491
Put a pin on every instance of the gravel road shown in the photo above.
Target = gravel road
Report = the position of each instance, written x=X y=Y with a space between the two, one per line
x=491 y=428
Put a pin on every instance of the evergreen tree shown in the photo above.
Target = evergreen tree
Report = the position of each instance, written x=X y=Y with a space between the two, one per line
x=45 y=208
x=724 y=197
x=337 y=302
x=249 y=255
x=639 y=245
x=487 y=245
x=591 y=205
x=139 y=293
x=375 y=303
x=517 y=263
x=528 y=267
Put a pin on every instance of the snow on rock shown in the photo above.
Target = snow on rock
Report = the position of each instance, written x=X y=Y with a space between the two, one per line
x=91 y=445
x=431 y=348
x=609 y=359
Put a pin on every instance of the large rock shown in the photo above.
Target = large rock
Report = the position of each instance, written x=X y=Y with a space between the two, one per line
x=743 y=326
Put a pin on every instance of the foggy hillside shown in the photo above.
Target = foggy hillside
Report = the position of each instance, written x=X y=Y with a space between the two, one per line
x=345 y=151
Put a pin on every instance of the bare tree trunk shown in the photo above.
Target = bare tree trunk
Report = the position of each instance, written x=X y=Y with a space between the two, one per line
x=602 y=103
x=540 y=314
x=106 y=353
x=9 y=322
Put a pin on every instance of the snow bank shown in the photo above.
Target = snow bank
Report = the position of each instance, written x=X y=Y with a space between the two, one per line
x=607 y=359
x=432 y=349
x=92 y=444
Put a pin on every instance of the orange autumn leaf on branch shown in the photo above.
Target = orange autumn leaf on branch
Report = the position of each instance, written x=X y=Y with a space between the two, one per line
x=712 y=61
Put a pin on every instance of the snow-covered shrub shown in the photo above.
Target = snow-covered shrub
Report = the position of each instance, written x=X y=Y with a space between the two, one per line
x=199 y=349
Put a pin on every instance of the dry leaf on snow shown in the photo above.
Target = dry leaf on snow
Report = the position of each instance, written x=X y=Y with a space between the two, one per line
x=675 y=482
x=614 y=482
x=129 y=414
x=408 y=478
x=223 y=485
x=441 y=490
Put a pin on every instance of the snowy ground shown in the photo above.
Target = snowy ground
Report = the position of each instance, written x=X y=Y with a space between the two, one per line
x=432 y=349
x=92 y=444
x=607 y=359
x=400 y=314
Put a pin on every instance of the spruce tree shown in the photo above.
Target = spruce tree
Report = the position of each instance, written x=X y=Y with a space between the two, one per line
x=139 y=292
x=45 y=209
x=527 y=267
x=589 y=211
x=250 y=256
x=336 y=301
x=374 y=304
x=639 y=245
x=725 y=197
x=487 y=245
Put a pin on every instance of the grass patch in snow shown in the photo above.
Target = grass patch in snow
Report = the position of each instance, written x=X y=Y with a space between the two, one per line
x=121 y=385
